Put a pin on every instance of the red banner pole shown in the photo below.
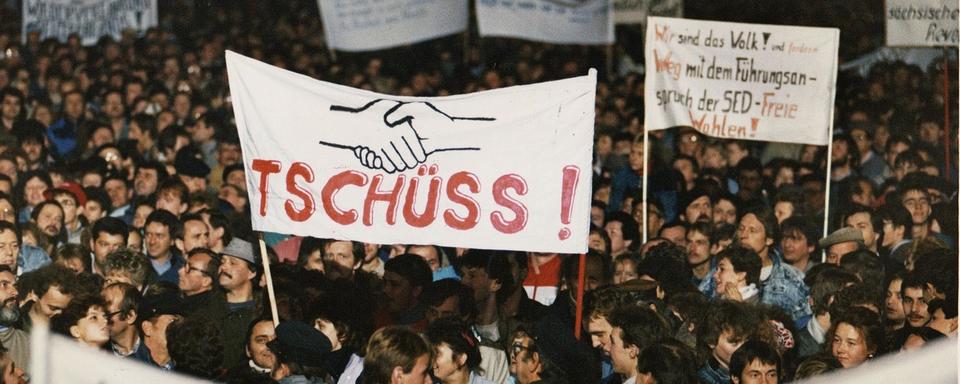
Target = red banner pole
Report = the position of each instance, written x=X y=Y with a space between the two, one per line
x=578 y=323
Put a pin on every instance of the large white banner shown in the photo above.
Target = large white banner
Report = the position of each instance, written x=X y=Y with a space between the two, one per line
x=366 y=25
x=57 y=359
x=922 y=23
x=502 y=169
x=551 y=21
x=636 y=11
x=741 y=81
x=90 y=19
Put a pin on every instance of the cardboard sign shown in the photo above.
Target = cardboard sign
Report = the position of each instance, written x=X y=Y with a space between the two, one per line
x=551 y=21
x=90 y=19
x=502 y=169
x=741 y=81
x=636 y=11
x=923 y=23
x=366 y=25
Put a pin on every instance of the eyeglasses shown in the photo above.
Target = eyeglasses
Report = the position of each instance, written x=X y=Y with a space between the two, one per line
x=191 y=268
x=110 y=315
x=516 y=348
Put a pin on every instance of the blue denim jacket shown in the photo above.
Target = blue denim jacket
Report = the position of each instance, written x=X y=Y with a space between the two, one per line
x=31 y=258
x=713 y=373
x=784 y=288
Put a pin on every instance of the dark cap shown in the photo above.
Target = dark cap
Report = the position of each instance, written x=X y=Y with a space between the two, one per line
x=166 y=303
x=190 y=162
x=300 y=343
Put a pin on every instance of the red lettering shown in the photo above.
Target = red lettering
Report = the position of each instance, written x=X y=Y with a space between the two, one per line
x=309 y=206
x=450 y=216
x=265 y=167
x=500 y=187
x=433 y=196
x=334 y=184
x=374 y=194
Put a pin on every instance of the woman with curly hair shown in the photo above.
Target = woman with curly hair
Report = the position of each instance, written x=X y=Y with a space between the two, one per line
x=85 y=320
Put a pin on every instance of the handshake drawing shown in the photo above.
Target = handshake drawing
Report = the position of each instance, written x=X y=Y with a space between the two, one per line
x=403 y=131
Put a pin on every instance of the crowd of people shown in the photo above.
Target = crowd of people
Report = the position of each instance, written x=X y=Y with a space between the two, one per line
x=124 y=224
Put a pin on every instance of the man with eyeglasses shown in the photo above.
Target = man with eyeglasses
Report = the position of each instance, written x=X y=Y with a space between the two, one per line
x=121 y=306
x=531 y=362
x=198 y=280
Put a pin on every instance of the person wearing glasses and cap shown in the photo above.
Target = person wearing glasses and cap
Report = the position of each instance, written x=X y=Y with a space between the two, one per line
x=528 y=362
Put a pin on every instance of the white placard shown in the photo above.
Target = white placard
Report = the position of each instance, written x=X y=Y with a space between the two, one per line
x=923 y=23
x=552 y=21
x=57 y=359
x=366 y=25
x=636 y=11
x=502 y=169
x=90 y=19
x=741 y=81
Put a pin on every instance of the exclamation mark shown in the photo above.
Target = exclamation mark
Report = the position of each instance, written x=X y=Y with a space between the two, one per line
x=571 y=175
x=753 y=126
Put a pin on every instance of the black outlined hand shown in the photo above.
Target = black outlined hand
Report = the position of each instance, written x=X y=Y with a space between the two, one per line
x=405 y=129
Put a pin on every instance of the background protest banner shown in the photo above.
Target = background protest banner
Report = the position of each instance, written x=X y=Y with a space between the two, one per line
x=741 y=81
x=636 y=11
x=551 y=21
x=366 y=25
x=502 y=169
x=922 y=22
x=90 y=19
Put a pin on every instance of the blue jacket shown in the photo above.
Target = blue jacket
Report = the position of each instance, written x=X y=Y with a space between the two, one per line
x=713 y=373
x=31 y=258
x=784 y=288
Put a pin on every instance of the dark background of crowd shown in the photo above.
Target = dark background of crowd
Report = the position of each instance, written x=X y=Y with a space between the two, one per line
x=141 y=130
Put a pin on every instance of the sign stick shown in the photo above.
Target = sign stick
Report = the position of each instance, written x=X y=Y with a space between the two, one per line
x=266 y=271
x=578 y=322
x=826 y=191
x=646 y=158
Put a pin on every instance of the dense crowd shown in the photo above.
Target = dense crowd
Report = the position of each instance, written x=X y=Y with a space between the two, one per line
x=124 y=223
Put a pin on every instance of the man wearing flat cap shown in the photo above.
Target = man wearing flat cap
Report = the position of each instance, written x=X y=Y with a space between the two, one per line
x=237 y=275
x=841 y=242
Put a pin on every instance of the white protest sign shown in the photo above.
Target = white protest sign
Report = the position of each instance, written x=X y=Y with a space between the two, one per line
x=741 y=81
x=366 y=25
x=90 y=19
x=502 y=169
x=636 y=11
x=57 y=359
x=551 y=21
x=922 y=23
